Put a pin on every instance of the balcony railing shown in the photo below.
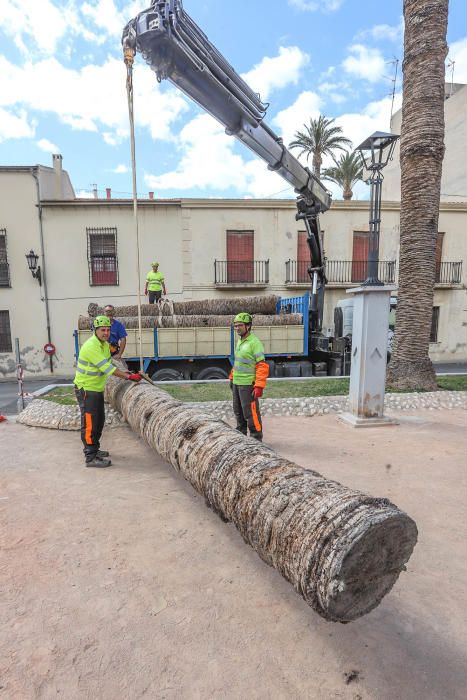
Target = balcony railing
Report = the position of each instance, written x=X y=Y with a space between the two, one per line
x=241 y=272
x=340 y=271
x=4 y=274
x=448 y=273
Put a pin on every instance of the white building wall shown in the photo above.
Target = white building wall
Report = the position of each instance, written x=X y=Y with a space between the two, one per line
x=454 y=177
x=185 y=236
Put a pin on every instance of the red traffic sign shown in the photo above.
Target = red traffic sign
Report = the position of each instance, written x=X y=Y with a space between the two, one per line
x=49 y=348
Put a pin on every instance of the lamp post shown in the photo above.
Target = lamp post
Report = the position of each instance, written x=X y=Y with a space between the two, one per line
x=375 y=152
x=32 y=259
x=371 y=304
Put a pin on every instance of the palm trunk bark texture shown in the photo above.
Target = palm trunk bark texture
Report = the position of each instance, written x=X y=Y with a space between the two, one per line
x=340 y=549
x=421 y=158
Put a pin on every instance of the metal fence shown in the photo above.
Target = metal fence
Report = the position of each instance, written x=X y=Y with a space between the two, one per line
x=340 y=271
x=241 y=271
x=448 y=273
x=4 y=274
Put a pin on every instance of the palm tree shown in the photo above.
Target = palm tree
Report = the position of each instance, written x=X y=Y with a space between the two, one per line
x=421 y=157
x=320 y=138
x=346 y=172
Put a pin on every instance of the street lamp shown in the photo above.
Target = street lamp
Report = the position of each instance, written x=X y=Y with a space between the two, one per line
x=32 y=259
x=375 y=152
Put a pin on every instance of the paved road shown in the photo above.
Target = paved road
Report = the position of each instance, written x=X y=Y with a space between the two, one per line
x=9 y=391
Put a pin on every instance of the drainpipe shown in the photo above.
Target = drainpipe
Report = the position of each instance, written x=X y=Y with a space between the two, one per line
x=44 y=275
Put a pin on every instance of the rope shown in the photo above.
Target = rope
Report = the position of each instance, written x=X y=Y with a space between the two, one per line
x=128 y=58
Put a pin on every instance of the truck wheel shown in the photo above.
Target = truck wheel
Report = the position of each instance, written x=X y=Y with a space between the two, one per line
x=167 y=374
x=212 y=373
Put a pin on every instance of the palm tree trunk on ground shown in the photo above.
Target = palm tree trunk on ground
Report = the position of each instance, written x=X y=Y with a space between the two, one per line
x=341 y=550
x=421 y=157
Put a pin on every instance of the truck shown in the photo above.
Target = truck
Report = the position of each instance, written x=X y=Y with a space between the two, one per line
x=206 y=353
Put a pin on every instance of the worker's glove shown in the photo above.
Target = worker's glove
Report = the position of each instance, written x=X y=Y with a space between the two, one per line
x=134 y=377
x=257 y=392
x=231 y=385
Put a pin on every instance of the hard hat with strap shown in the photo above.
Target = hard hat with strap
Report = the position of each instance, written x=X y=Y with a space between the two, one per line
x=243 y=317
x=102 y=322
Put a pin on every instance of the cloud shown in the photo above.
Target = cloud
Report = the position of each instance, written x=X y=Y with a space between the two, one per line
x=374 y=117
x=15 y=126
x=91 y=98
x=336 y=92
x=120 y=169
x=278 y=71
x=458 y=53
x=33 y=23
x=41 y=26
x=308 y=104
x=208 y=161
x=313 y=5
x=383 y=32
x=48 y=146
x=365 y=63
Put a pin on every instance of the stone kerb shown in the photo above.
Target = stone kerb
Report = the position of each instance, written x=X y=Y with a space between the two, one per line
x=47 y=414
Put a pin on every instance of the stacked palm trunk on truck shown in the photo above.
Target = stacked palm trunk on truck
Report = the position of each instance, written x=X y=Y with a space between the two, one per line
x=341 y=550
x=198 y=313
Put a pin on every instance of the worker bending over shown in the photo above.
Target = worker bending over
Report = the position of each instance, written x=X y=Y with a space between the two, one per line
x=93 y=368
x=248 y=377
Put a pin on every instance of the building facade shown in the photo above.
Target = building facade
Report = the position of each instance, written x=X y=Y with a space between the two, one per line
x=206 y=248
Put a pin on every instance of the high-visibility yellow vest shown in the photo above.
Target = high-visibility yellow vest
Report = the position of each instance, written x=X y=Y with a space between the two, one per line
x=248 y=352
x=154 y=281
x=94 y=365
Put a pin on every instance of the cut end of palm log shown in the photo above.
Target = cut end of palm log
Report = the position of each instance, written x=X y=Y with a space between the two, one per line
x=340 y=549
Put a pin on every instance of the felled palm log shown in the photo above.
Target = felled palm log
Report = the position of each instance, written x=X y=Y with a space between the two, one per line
x=340 y=549
x=205 y=307
x=85 y=322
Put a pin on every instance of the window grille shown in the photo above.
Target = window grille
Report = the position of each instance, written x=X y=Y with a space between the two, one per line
x=102 y=256
x=4 y=266
x=434 y=325
x=5 y=332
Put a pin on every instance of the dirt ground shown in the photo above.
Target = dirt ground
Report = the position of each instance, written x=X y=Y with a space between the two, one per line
x=122 y=584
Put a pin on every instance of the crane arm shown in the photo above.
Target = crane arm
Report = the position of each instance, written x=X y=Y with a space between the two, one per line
x=177 y=50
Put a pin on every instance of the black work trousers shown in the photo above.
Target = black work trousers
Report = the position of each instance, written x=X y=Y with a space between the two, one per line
x=246 y=410
x=91 y=405
x=154 y=296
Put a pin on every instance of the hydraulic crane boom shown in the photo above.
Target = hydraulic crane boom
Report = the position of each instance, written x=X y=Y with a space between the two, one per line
x=176 y=49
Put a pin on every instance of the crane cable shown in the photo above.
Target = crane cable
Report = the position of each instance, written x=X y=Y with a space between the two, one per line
x=128 y=58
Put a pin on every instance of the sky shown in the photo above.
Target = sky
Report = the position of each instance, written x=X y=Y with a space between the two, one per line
x=62 y=88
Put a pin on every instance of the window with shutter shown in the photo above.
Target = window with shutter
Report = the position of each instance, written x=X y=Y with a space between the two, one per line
x=303 y=257
x=439 y=256
x=5 y=332
x=361 y=240
x=4 y=266
x=102 y=256
x=240 y=256
x=434 y=325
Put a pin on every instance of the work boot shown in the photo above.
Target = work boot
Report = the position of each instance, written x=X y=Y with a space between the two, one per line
x=97 y=461
x=102 y=453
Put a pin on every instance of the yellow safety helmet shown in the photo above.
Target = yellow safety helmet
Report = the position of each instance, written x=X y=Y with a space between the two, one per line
x=243 y=317
x=102 y=322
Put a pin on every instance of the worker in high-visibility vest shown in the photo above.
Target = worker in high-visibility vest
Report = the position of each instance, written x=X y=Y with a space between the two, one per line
x=93 y=368
x=248 y=377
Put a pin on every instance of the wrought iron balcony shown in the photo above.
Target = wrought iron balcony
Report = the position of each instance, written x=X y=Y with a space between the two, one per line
x=4 y=274
x=340 y=271
x=448 y=273
x=241 y=272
